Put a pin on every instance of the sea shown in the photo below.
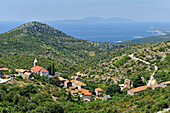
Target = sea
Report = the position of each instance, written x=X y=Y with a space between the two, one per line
x=102 y=32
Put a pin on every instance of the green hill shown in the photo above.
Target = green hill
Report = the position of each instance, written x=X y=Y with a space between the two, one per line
x=41 y=40
x=152 y=39
x=98 y=64
x=117 y=65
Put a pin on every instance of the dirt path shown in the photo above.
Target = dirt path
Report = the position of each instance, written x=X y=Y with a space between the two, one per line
x=156 y=68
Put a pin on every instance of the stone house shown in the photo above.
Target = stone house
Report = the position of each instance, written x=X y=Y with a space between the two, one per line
x=80 y=85
x=73 y=82
x=44 y=72
x=21 y=71
x=137 y=90
x=106 y=97
x=127 y=84
x=99 y=91
x=5 y=69
x=28 y=76
x=85 y=95
x=62 y=80
x=67 y=83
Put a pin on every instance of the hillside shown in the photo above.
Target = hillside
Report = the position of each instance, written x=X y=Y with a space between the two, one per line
x=21 y=95
x=102 y=66
x=41 y=40
x=23 y=44
x=122 y=66
x=152 y=39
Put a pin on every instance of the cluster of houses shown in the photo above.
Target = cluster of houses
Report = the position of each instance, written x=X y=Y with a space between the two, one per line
x=78 y=89
x=128 y=84
x=76 y=86
x=142 y=88
x=2 y=70
x=28 y=74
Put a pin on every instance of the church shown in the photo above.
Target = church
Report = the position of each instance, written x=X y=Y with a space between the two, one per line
x=39 y=70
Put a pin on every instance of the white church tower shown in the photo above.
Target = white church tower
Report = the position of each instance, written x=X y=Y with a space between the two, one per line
x=35 y=62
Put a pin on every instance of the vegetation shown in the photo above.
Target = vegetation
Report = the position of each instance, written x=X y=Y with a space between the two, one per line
x=152 y=39
x=137 y=81
x=38 y=98
x=122 y=60
x=24 y=99
x=41 y=40
x=112 y=89
x=99 y=65
x=114 y=68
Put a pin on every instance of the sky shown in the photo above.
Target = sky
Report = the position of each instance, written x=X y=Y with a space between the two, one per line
x=45 y=10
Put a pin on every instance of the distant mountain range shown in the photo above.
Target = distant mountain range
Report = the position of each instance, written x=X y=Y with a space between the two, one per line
x=95 y=20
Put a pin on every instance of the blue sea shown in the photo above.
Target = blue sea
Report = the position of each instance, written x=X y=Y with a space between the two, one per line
x=102 y=32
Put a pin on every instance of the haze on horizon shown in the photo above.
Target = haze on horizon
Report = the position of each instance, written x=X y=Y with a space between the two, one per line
x=45 y=10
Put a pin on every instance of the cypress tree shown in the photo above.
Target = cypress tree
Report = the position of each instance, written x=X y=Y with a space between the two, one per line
x=49 y=69
x=52 y=69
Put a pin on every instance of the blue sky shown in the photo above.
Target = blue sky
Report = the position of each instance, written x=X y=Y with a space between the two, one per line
x=43 y=10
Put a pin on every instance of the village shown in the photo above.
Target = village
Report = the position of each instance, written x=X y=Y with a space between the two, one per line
x=75 y=85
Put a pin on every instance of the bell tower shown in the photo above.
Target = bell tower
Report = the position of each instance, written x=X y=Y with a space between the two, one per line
x=35 y=62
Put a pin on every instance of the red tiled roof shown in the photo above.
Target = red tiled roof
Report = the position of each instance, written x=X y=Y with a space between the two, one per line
x=72 y=88
x=67 y=81
x=154 y=85
x=99 y=89
x=128 y=87
x=74 y=92
x=73 y=80
x=87 y=93
x=5 y=69
x=142 y=87
x=21 y=70
x=36 y=69
x=84 y=90
x=44 y=71
x=135 y=90
x=100 y=94
x=61 y=78
x=138 y=89
x=80 y=83
x=17 y=70
x=167 y=82
x=27 y=73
